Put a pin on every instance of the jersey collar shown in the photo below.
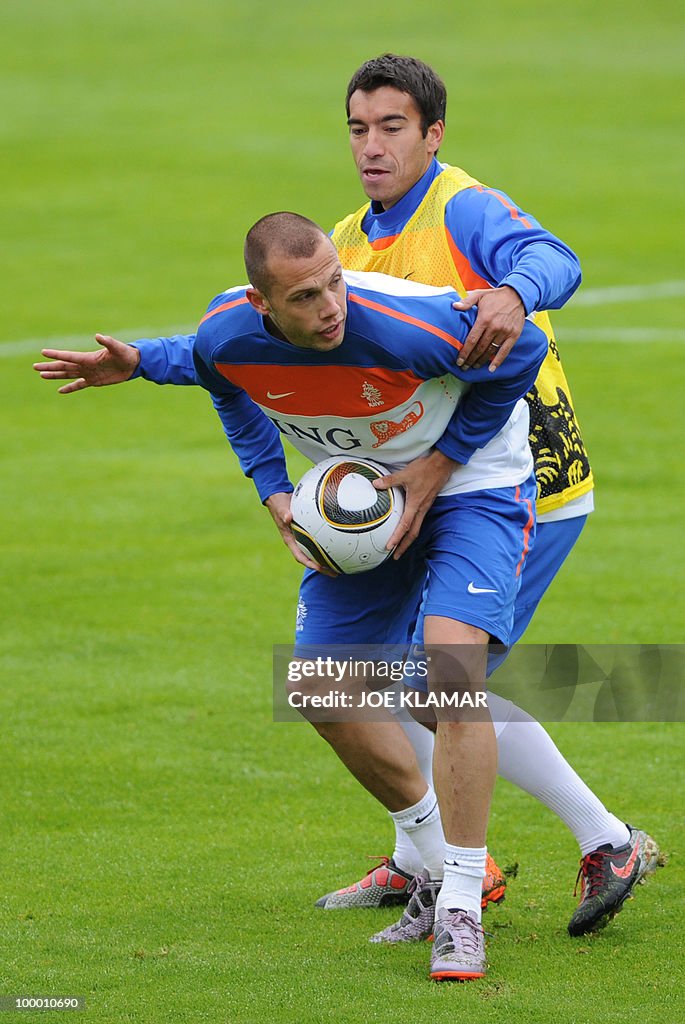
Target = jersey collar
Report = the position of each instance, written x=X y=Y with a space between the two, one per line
x=380 y=222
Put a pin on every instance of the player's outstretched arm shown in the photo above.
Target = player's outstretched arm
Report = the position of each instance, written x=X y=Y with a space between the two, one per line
x=279 y=507
x=114 y=363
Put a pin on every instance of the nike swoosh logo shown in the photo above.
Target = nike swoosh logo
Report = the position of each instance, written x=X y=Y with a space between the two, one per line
x=627 y=868
x=473 y=589
x=417 y=821
x=284 y=395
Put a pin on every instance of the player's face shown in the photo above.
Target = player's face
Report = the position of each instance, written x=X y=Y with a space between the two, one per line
x=308 y=300
x=387 y=143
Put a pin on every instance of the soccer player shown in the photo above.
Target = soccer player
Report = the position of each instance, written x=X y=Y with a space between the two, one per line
x=433 y=223
x=306 y=346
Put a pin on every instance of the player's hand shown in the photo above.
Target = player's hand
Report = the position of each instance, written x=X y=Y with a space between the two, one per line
x=279 y=506
x=499 y=323
x=114 y=363
x=422 y=480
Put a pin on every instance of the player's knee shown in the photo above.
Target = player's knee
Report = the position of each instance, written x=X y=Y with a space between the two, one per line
x=303 y=693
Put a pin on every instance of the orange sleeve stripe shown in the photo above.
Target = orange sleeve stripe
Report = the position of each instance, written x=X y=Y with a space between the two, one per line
x=431 y=328
x=226 y=305
x=469 y=278
x=512 y=209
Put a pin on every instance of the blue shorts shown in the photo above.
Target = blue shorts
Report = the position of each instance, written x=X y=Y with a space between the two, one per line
x=466 y=563
x=553 y=543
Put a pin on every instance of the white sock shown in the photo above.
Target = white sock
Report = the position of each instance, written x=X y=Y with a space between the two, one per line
x=529 y=758
x=405 y=854
x=422 y=825
x=462 y=884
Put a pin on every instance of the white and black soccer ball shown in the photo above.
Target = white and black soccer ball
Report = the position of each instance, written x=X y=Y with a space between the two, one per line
x=340 y=519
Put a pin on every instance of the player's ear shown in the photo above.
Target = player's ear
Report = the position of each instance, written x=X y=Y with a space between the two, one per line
x=258 y=300
x=434 y=136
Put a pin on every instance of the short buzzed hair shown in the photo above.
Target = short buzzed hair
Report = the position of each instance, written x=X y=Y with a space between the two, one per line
x=407 y=74
x=291 y=234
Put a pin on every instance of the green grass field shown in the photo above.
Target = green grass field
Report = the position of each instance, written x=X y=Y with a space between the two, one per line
x=163 y=840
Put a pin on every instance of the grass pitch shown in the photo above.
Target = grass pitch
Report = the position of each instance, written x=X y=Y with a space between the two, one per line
x=163 y=840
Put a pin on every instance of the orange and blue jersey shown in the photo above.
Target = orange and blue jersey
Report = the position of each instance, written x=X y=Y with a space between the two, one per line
x=390 y=391
x=451 y=230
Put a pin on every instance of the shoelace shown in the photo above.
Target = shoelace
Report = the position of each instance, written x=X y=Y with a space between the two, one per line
x=417 y=882
x=468 y=936
x=590 y=874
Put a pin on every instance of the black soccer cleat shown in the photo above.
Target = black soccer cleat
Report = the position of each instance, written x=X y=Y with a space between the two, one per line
x=607 y=877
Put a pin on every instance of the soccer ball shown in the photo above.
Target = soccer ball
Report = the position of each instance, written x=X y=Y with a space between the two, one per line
x=340 y=519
